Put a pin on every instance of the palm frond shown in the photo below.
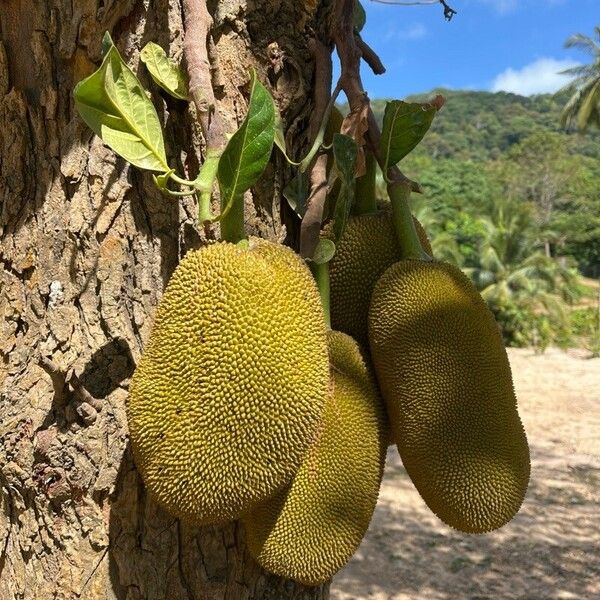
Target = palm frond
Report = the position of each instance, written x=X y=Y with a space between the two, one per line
x=481 y=278
x=583 y=71
x=445 y=248
x=583 y=42
x=589 y=104
x=520 y=281
x=498 y=294
x=553 y=306
x=572 y=110
x=583 y=106
x=490 y=260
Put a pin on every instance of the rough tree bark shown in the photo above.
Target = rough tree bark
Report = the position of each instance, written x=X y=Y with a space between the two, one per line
x=87 y=245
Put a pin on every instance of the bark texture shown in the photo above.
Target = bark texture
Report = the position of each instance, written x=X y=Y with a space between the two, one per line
x=87 y=245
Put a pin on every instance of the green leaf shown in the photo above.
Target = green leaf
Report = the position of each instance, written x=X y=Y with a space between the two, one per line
x=164 y=71
x=360 y=16
x=296 y=193
x=345 y=153
x=115 y=107
x=404 y=125
x=324 y=251
x=248 y=151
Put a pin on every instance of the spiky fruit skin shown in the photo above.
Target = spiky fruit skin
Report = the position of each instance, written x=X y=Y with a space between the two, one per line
x=445 y=377
x=308 y=532
x=231 y=388
x=368 y=247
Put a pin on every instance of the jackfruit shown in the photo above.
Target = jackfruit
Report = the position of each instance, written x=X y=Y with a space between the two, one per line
x=231 y=388
x=446 y=381
x=367 y=248
x=309 y=531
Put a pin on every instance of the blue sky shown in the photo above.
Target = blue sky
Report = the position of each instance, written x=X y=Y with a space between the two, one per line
x=511 y=45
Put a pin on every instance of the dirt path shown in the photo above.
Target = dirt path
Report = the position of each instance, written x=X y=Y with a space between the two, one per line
x=552 y=547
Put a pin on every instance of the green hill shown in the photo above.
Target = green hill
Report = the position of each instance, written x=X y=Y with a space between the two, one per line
x=483 y=125
x=486 y=149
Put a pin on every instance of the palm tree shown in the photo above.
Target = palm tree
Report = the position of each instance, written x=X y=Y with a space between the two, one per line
x=515 y=277
x=583 y=107
x=442 y=242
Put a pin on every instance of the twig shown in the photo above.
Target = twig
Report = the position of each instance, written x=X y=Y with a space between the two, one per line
x=311 y=222
x=350 y=55
x=60 y=378
x=195 y=48
x=370 y=56
x=448 y=12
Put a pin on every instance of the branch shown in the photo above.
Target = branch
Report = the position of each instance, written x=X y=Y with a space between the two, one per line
x=369 y=55
x=448 y=12
x=311 y=222
x=350 y=55
x=60 y=378
x=195 y=48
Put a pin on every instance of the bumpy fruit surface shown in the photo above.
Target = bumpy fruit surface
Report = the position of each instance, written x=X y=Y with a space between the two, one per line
x=308 y=532
x=231 y=389
x=368 y=247
x=446 y=381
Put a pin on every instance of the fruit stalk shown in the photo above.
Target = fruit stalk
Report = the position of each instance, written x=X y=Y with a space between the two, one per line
x=232 y=223
x=408 y=240
x=205 y=182
x=321 y=274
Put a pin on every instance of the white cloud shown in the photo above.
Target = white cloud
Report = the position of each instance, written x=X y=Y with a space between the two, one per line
x=414 y=32
x=539 y=77
x=505 y=7
x=502 y=7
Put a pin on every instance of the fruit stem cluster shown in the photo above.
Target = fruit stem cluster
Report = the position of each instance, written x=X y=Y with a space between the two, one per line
x=195 y=48
x=399 y=186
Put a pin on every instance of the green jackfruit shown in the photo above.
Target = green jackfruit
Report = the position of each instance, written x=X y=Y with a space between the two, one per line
x=367 y=248
x=308 y=532
x=231 y=389
x=445 y=377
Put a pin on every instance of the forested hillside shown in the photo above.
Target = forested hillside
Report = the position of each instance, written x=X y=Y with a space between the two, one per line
x=515 y=201
x=484 y=125
x=487 y=149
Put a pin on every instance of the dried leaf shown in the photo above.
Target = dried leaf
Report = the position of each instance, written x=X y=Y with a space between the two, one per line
x=356 y=125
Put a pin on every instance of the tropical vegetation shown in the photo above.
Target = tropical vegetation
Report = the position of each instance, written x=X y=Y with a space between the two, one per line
x=514 y=199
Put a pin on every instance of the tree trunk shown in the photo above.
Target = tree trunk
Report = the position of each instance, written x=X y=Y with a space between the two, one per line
x=87 y=245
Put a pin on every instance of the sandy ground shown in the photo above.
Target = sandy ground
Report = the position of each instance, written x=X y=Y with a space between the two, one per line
x=551 y=549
